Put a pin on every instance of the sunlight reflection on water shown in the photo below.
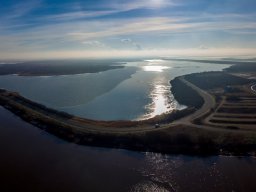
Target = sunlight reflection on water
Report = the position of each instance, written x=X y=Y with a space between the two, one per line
x=162 y=99
x=155 y=68
x=158 y=172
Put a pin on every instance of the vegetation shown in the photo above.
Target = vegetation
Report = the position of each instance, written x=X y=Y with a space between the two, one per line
x=211 y=80
x=242 y=67
x=49 y=68
x=185 y=95
x=228 y=61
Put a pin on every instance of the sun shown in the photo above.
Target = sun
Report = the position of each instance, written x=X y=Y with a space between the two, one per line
x=158 y=3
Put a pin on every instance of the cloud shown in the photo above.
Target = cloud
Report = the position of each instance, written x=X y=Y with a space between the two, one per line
x=131 y=42
x=11 y=18
x=203 y=47
x=23 y=8
x=76 y=15
x=138 y=46
x=84 y=25
x=126 y=40
x=94 y=43
x=60 y=35
x=142 y=4
x=76 y=11
x=131 y=26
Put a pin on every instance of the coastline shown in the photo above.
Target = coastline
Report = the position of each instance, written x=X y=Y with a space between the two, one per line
x=173 y=137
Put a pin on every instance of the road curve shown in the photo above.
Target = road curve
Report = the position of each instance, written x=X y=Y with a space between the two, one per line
x=209 y=103
x=253 y=88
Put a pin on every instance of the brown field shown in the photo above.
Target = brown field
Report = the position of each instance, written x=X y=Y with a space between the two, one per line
x=234 y=109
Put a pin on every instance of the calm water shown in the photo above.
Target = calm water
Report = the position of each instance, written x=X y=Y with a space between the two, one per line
x=138 y=91
x=32 y=160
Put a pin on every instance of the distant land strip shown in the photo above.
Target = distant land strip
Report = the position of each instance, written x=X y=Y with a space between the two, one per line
x=48 y=68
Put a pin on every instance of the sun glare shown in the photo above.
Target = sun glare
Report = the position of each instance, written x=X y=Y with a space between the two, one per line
x=154 y=68
x=158 y=3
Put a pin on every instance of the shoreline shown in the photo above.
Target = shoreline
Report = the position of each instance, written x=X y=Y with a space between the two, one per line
x=173 y=137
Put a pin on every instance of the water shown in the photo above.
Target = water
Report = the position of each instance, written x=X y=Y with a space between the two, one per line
x=138 y=91
x=32 y=160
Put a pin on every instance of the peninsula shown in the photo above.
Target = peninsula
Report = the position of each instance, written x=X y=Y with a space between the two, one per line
x=220 y=119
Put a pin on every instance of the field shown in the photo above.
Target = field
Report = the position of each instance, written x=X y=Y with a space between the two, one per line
x=236 y=108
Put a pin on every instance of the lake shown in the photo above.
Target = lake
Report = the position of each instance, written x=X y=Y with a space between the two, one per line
x=33 y=160
x=140 y=90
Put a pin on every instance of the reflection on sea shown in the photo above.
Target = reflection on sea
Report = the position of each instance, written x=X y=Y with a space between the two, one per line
x=154 y=68
x=162 y=101
x=158 y=173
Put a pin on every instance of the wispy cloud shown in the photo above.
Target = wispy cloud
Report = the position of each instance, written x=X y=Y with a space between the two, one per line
x=131 y=42
x=107 y=8
x=94 y=44
x=131 y=26
x=142 y=4
x=13 y=18
x=73 y=15
x=23 y=8
x=159 y=25
x=91 y=32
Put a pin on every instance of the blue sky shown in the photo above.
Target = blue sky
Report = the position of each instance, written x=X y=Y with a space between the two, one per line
x=106 y=28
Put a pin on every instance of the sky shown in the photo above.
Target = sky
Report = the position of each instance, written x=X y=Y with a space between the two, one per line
x=32 y=29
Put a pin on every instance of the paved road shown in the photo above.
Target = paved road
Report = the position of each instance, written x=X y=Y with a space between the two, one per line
x=209 y=103
x=253 y=88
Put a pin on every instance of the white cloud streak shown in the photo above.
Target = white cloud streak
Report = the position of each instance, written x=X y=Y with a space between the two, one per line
x=110 y=7
x=94 y=44
x=131 y=42
x=23 y=8
x=93 y=31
